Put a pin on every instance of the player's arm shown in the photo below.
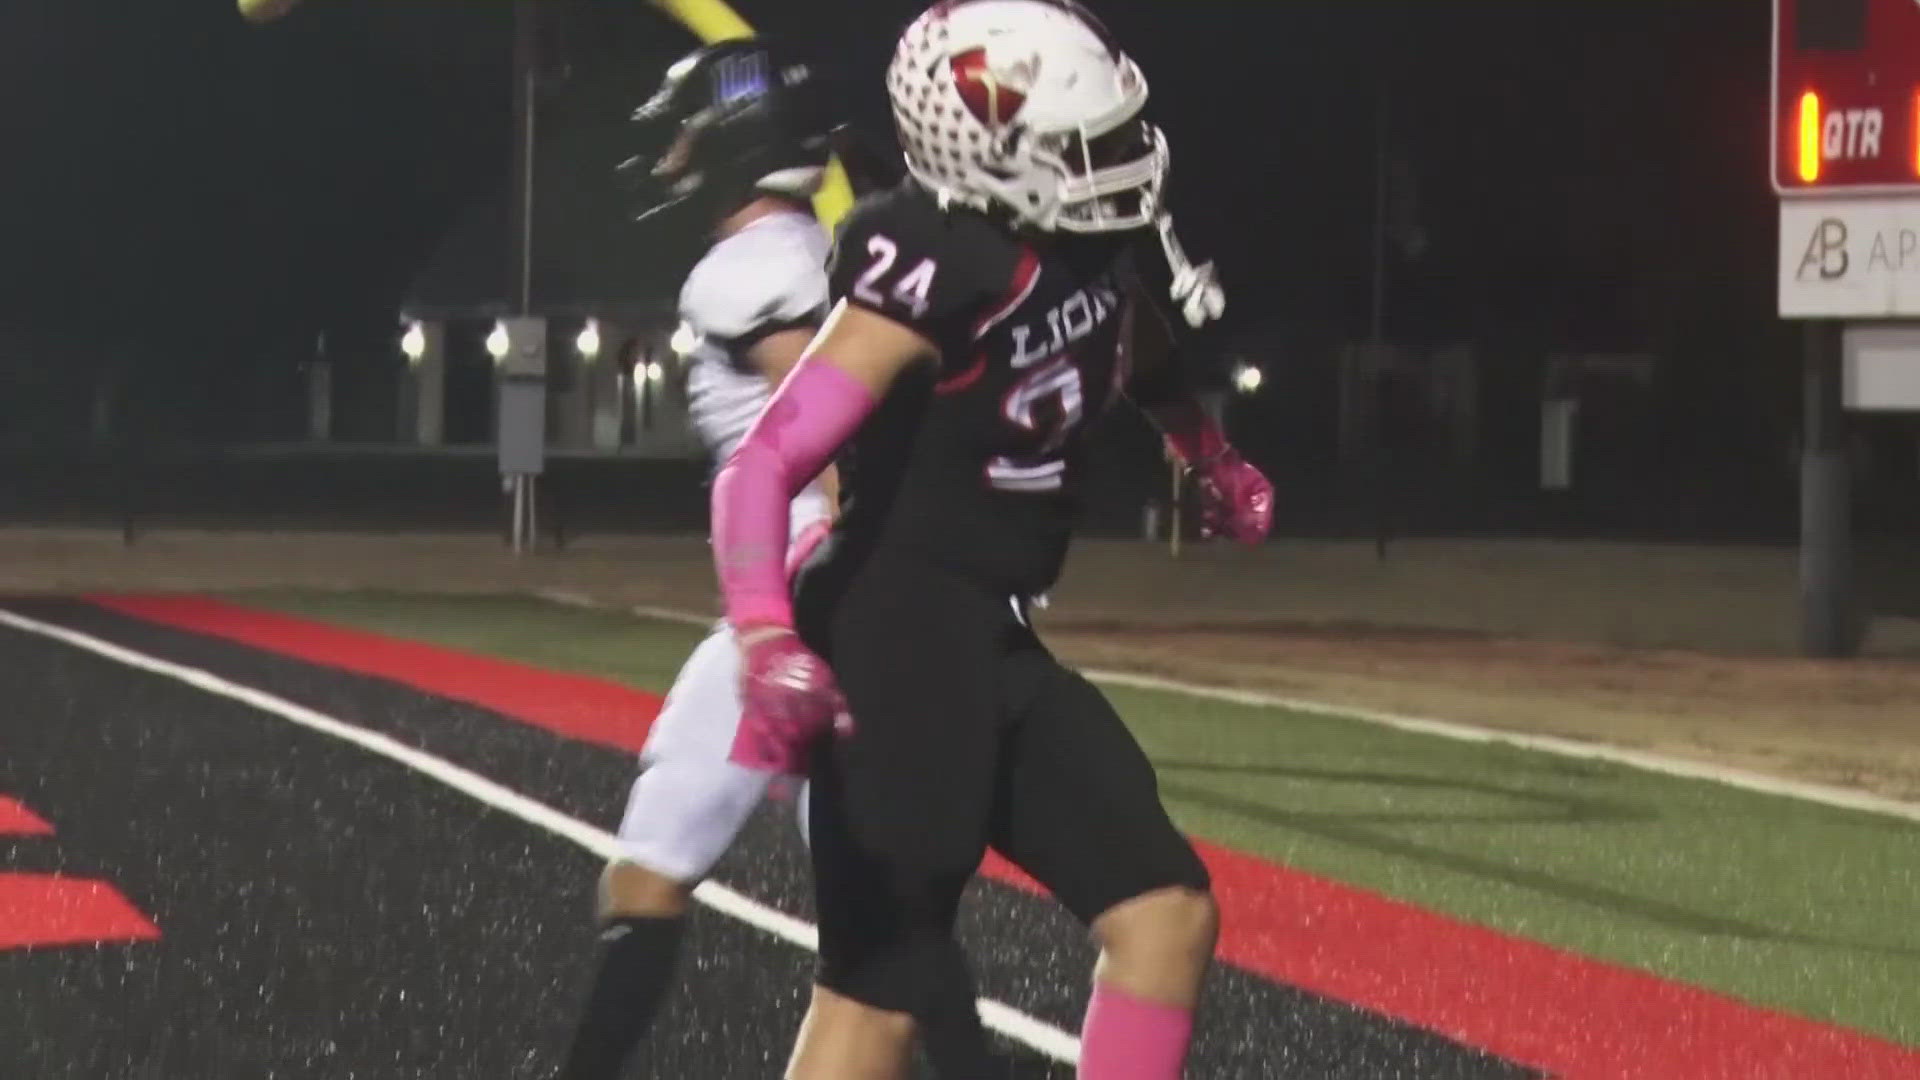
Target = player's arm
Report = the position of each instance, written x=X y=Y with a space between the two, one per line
x=1161 y=383
x=774 y=357
x=787 y=694
x=893 y=297
x=1237 y=499
x=898 y=283
x=831 y=389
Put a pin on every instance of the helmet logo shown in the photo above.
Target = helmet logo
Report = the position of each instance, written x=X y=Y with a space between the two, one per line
x=994 y=97
x=737 y=77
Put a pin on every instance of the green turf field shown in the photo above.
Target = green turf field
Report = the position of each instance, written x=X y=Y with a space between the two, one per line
x=1773 y=900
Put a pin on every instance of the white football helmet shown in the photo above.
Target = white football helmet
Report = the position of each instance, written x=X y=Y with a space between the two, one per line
x=1027 y=105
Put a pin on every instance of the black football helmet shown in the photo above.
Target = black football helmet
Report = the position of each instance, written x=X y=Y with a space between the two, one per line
x=736 y=120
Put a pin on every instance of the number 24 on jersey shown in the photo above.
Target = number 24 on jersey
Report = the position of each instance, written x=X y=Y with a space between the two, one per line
x=909 y=292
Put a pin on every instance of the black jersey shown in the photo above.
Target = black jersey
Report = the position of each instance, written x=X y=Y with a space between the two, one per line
x=975 y=462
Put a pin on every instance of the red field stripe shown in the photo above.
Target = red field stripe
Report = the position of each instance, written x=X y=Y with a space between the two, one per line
x=48 y=909
x=1527 y=1002
x=1520 y=999
x=576 y=706
x=17 y=820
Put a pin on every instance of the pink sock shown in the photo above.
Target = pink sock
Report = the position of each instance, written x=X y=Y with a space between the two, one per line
x=1125 y=1038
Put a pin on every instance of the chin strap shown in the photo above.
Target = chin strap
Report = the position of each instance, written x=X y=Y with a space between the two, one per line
x=1196 y=289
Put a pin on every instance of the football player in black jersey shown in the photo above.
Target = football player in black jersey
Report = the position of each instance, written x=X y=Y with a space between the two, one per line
x=747 y=146
x=978 y=326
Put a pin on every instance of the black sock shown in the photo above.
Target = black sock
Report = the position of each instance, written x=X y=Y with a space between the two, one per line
x=637 y=962
x=950 y=1032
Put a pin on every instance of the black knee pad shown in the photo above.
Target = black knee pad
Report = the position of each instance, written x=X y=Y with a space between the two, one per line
x=910 y=973
x=1161 y=859
x=891 y=946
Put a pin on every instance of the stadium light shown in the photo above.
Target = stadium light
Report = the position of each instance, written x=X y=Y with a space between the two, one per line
x=498 y=342
x=413 y=343
x=1247 y=378
x=588 y=342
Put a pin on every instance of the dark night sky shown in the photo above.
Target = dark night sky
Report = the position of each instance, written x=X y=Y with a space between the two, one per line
x=1589 y=173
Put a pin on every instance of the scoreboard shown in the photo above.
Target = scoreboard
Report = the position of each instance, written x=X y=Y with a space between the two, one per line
x=1846 y=97
x=1846 y=164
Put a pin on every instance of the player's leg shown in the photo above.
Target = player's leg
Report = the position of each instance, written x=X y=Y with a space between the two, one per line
x=899 y=814
x=683 y=812
x=887 y=955
x=848 y=1030
x=951 y=1035
x=1078 y=808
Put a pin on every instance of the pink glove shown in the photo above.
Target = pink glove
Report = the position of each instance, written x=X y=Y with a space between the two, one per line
x=1235 y=499
x=788 y=700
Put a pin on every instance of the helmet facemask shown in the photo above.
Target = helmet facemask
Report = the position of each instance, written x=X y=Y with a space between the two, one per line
x=1110 y=181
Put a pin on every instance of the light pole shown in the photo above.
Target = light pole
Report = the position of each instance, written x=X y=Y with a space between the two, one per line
x=518 y=342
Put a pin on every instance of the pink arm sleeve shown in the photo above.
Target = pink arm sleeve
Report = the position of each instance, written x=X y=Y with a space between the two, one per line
x=813 y=412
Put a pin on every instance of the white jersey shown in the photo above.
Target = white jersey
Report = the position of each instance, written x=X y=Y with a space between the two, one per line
x=768 y=277
x=692 y=800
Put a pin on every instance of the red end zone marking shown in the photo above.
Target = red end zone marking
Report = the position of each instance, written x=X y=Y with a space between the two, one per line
x=47 y=909
x=576 y=706
x=17 y=820
x=1527 y=1002
x=51 y=909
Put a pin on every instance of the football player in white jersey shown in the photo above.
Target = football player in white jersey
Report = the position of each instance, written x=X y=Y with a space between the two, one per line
x=750 y=148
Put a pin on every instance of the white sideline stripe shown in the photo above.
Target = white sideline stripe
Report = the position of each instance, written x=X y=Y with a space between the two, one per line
x=1640 y=759
x=1807 y=791
x=1036 y=1034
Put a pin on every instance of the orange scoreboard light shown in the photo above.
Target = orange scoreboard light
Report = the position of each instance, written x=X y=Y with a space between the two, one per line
x=1846 y=96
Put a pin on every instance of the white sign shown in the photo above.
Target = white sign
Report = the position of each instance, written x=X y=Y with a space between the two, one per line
x=1850 y=258
x=1880 y=367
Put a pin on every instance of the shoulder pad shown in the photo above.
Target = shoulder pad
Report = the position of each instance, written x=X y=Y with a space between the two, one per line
x=754 y=283
x=901 y=255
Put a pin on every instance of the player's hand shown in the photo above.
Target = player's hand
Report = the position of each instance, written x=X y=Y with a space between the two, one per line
x=788 y=701
x=1196 y=289
x=1199 y=295
x=1236 y=500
